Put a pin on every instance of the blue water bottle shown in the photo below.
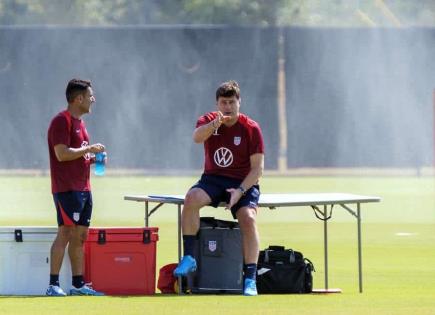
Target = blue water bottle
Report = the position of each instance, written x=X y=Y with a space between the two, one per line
x=100 y=166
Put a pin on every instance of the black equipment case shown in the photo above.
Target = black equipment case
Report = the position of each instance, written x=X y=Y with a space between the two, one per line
x=283 y=270
x=219 y=258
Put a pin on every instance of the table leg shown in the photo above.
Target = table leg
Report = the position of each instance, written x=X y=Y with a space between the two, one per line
x=179 y=232
x=359 y=248
x=146 y=214
x=325 y=243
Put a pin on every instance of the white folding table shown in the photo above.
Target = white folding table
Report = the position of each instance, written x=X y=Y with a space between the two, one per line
x=321 y=203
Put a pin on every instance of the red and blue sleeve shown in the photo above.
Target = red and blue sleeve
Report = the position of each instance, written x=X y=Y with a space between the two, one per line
x=205 y=119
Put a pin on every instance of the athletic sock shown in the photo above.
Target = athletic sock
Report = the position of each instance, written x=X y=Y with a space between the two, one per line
x=188 y=244
x=54 y=280
x=77 y=281
x=250 y=271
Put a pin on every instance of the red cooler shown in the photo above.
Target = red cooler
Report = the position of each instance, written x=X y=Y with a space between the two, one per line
x=121 y=261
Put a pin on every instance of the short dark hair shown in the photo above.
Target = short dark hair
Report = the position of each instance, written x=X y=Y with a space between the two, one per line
x=228 y=89
x=76 y=87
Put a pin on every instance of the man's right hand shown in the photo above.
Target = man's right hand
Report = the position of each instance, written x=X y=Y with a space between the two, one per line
x=96 y=148
x=220 y=119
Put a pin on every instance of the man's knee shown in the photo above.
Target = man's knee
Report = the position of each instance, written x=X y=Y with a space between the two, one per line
x=64 y=233
x=196 y=198
x=247 y=218
x=83 y=236
x=79 y=235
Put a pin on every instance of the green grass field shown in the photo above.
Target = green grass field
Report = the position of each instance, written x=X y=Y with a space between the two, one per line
x=398 y=245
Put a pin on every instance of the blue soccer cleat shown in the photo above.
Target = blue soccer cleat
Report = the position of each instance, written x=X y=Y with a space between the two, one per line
x=186 y=266
x=250 y=288
x=54 y=290
x=85 y=290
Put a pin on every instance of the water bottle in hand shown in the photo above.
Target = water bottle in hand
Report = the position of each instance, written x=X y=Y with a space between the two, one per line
x=100 y=166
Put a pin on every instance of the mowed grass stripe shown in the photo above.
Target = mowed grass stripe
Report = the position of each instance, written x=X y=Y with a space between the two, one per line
x=398 y=246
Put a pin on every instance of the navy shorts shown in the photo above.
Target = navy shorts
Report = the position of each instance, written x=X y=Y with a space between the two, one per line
x=73 y=208
x=216 y=188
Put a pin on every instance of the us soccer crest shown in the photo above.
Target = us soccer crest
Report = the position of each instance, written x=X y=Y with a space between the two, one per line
x=76 y=216
x=237 y=140
x=212 y=245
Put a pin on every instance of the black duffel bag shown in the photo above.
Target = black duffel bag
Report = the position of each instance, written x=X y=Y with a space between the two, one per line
x=283 y=270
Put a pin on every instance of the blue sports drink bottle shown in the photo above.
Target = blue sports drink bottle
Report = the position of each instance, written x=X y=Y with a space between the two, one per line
x=100 y=166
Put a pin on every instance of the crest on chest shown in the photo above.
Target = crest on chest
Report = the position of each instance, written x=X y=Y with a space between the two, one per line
x=237 y=140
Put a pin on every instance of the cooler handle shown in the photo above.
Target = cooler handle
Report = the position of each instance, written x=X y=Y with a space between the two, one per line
x=101 y=237
x=18 y=236
x=146 y=236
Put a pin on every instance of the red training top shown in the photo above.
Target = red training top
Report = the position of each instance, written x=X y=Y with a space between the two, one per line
x=228 y=153
x=68 y=175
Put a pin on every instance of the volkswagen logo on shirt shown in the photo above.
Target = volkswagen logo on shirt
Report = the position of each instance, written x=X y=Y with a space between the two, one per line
x=223 y=157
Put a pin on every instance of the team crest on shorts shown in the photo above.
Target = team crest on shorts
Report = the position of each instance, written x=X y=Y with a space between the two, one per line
x=76 y=216
x=237 y=140
x=212 y=245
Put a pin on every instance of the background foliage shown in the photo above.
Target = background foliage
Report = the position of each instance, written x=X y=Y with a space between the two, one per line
x=342 y=13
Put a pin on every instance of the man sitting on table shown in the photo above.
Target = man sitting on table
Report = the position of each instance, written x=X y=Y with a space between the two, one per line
x=234 y=160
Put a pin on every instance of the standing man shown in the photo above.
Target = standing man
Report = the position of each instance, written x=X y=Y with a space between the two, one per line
x=234 y=161
x=70 y=159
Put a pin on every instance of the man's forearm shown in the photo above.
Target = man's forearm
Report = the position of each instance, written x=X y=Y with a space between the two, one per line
x=64 y=153
x=70 y=154
x=252 y=178
x=203 y=132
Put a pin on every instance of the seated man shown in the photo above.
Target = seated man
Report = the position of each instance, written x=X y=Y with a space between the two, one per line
x=234 y=159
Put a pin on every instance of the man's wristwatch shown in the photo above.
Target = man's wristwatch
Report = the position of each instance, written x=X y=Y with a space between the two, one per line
x=242 y=190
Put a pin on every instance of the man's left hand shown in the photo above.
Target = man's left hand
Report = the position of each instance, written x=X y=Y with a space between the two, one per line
x=236 y=194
